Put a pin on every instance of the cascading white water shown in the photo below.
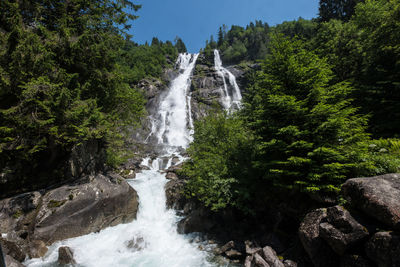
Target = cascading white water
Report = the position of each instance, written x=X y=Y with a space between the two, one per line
x=152 y=239
x=231 y=94
x=174 y=113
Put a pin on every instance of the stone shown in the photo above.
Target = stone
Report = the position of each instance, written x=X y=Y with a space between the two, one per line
x=341 y=231
x=82 y=208
x=378 y=197
x=175 y=197
x=11 y=262
x=250 y=249
x=65 y=256
x=319 y=252
x=199 y=220
x=136 y=244
x=289 y=263
x=271 y=258
x=259 y=261
x=171 y=176
x=224 y=248
x=248 y=262
x=37 y=249
x=233 y=254
x=384 y=249
x=12 y=249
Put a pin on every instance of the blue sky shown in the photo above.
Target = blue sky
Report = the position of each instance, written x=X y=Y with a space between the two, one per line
x=195 y=20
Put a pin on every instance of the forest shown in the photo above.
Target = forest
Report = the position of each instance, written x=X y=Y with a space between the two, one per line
x=323 y=108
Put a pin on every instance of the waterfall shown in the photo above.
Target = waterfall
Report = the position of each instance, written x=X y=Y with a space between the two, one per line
x=231 y=95
x=152 y=239
x=173 y=122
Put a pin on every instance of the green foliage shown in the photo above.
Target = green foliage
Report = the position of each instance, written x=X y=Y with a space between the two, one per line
x=306 y=127
x=366 y=52
x=61 y=82
x=337 y=9
x=217 y=167
x=180 y=45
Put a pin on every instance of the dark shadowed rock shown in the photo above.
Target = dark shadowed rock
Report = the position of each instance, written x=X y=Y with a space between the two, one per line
x=171 y=176
x=342 y=231
x=65 y=256
x=224 y=248
x=355 y=261
x=259 y=261
x=319 y=252
x=12 y=249
x=75 y=210
x=200 y=220
x=175 y=196
x=271 y=258
x=384 y=249
x=11 y=262
x=37 y=249
x=378 y=196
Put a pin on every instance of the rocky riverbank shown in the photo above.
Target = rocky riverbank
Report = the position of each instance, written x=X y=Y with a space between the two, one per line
x=32 y=221
x=362 y=232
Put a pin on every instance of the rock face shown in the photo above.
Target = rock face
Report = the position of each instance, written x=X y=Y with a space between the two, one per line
x=65 y=256
x=11 y=262
x=341 y=231
x=384 y=249
x=320 y=253
x=36 y=219
x=75 y=210
x=378 y=197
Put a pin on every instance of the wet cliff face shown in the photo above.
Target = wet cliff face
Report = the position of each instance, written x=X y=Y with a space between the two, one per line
x=206 y=94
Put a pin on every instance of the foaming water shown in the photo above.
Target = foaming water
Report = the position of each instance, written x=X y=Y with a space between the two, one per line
x=150 y=241
x=174 y=113
x=231 y=96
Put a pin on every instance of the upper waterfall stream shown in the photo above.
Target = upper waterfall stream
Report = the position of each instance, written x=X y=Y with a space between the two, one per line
x=152 y=239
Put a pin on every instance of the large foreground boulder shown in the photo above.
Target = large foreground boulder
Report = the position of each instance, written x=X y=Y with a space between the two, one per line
x=75 y=210
x=34 y=220
x=378 y=197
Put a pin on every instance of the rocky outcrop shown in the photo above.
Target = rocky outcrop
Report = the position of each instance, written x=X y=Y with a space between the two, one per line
x=350 y=237
x=341 y=231
x=174 y=188
x=34 y=220
x=378 y=197
x=320 y=253
x=65 y=256
x=75 y=210
x=11 y=262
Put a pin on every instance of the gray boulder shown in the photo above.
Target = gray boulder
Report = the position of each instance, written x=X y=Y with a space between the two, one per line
x=12 y=249
x=319 y=252
x=378 y=196
x=259 y=261
x=65 y=256
x=271 y=258
x=75 y=210
x=341 y=231
x=11 y=262
x=37 y=249
x=384 y=249
x=175 y=197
